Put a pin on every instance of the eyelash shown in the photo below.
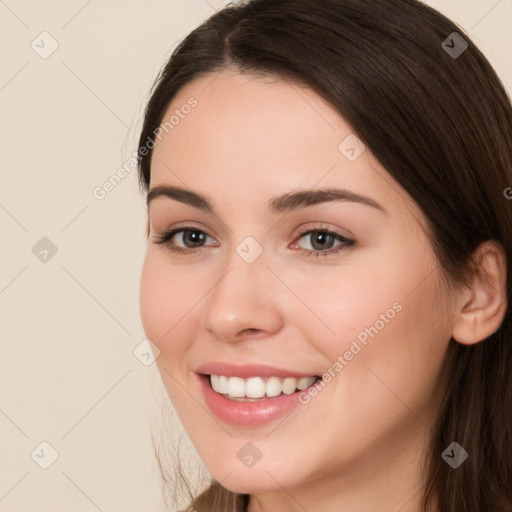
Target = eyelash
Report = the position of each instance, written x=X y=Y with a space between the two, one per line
x=346 y=243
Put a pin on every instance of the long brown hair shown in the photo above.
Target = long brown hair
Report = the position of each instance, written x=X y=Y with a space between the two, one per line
x=441 y=124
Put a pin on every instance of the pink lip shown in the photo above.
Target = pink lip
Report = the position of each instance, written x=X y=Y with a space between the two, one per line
x=247 y=413
x=248 y=370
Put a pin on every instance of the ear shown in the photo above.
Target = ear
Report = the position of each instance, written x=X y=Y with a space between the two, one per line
x=483 y=302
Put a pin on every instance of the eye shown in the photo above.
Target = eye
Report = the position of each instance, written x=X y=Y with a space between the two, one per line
x=191 y=237
x=322 y=240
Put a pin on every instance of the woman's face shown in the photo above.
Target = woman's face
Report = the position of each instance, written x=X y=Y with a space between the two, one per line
x=255 y=298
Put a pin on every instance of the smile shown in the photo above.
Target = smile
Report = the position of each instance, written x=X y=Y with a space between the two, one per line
x=258 y=388
x=251 y=395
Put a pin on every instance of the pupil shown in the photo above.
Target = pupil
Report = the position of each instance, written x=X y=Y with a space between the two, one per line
x=196 y=237
x=321 y=237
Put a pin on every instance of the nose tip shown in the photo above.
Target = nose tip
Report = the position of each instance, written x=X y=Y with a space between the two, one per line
x=240 y=306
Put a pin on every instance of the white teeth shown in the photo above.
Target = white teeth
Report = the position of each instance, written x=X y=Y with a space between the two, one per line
x=223 y=385
x=214 y=379
x=258 y=387
x=236 y=387
x=289 y=385
x=273 y=387
x=305 y=382
x=254 y=387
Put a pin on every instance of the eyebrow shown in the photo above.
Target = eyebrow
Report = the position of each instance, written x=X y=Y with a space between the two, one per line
x=276 y=205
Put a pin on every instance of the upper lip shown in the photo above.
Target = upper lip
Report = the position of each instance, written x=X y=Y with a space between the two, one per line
x=248 y=370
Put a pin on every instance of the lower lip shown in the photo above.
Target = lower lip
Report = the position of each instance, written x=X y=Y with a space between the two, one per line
x=247 y=413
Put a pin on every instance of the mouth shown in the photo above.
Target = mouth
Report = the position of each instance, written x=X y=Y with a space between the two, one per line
x=258 y=388
x=251 y=396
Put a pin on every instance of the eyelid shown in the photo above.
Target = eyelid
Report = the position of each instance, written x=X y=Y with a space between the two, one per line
x=167 y=234
x=322 y=226
x=184 y=225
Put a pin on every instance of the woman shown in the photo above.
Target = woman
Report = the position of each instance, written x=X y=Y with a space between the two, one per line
x=327 y=275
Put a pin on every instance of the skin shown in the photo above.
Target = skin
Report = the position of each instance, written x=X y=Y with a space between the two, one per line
x=361 y=441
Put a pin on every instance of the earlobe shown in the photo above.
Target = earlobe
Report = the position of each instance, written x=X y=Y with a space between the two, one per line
x=484 y=302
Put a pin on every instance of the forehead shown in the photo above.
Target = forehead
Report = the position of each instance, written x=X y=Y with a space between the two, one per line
x=257 y=136
x=239 y=115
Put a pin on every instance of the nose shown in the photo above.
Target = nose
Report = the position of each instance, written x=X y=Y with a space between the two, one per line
x=243 y=303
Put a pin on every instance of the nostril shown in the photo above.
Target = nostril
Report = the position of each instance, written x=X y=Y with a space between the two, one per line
x=250 y=332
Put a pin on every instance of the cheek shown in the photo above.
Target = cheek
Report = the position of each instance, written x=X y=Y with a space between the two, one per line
x=394 y=297
x=167 y=298
x=386 y=336
x=348 y=303
x=168 y=302
x=392 y=352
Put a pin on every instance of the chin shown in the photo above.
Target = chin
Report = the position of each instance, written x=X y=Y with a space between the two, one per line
x=242 y=480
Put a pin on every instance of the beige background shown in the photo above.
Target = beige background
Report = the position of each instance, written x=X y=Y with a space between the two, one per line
x=68 y=375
